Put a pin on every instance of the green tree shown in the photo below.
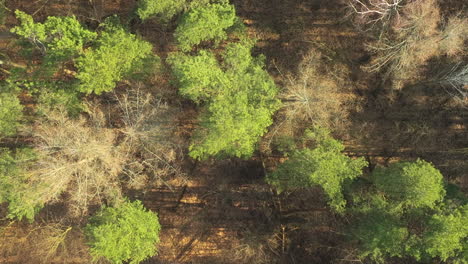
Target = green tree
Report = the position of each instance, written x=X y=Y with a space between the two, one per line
x=325 y=165
x=58 y=38
x=239 y=98
x=10 y=113
x=413 y=184
x=128 y=233
x=22 y=198
x=446 y=235
x=117 y=55
x=203 y=23
x=164 y=9
x=380 y=235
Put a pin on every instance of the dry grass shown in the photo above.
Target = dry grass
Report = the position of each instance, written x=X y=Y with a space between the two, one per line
x=42 y=243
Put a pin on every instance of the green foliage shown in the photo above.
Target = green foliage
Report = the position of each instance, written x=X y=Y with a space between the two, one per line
x=325 y=165
x=197 y=76
x=117 y=55
x=203 y=23
x=3 y=12
x=164 y=9
x=446 y=235
x=380 y=234
x=61 y=97
x=28 y=29
x=22 y=199
x=128 y=233
x=10 y=112
x=413 y=184
x=59 y=38
x=239 y=96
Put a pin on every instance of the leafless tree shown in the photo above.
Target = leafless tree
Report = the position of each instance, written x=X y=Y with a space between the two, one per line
x=78 y=157
x=375 y=11
x=149 y=127
x=414 y=38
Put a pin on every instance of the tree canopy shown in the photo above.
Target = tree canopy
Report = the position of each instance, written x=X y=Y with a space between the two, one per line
x=325 y=166
x=116 y=55
x=58 y=38
x=446 y=234
x=203 y=23
x=23 y=199
x=127 y=233
x=165 y=9
x=413 y=184
x=239 y=98
x=10 y=113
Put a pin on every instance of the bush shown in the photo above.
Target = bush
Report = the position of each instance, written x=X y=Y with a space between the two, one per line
x=324 y=165
x=203 y=23
x=239 y=96
x=118 y=54
x=413 y=184
x=128 y=233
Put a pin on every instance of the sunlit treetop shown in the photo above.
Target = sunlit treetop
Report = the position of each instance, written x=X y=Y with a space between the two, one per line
x=117 y=53
x=325 y=166
x=58 y=38
x=205 y=23
x=128 y=233
x=239 y=98
x=413 y=184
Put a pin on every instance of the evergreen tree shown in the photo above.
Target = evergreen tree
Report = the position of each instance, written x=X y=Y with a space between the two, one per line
x=203 y=23
x=325 y=166
x=164 y=9
x=128 y=233
x=413 y=184
x=118 y=53
x=239 y=98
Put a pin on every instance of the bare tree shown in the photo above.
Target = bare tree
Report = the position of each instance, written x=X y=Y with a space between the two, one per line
x=413 y=38
x=316 y=95
x=78 y=157
x=371 y=12
x=149 y=130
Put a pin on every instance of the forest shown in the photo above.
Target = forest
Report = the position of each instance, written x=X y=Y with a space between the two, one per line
x=234 y=131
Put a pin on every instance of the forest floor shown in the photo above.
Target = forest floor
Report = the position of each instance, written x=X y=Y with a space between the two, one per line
x=224 y=212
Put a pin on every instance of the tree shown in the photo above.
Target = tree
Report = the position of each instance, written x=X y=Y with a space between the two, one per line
x=127 y=233
x=325 y=165
x=165 y=9
x=58 y=38
x=413 y=184
x=410 y=35
x=22 y=198
x=76 y=152
x=203 y=23
x=239 y=96
x=380 y=235
x=117 y=55
x=10 y=113
x=446 y=235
